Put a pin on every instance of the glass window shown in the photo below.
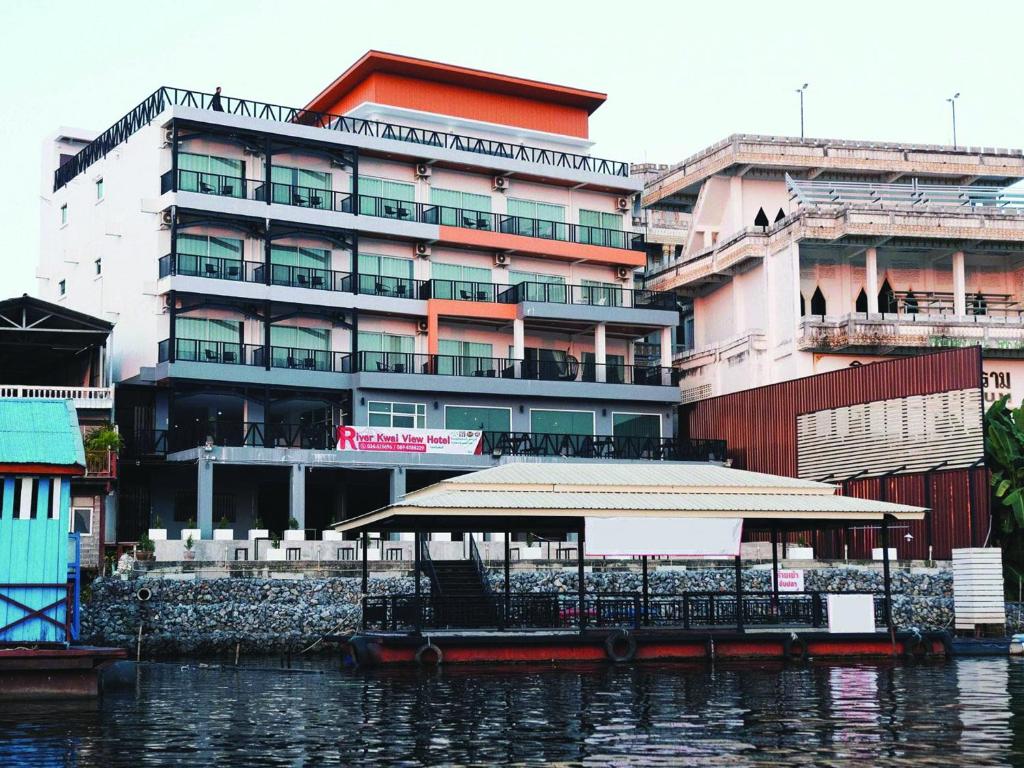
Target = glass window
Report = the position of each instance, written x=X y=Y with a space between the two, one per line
x=535 y=219
x=456 y=281
x=299 y=266
x=99 y=189
x=539 y=287
x=562 y=422
x=636 y=425
x=385 y=275
x=460 y=209
x=474 y=417
x=210 y=174
x=294 y=347
x=62 y=287
x=81 y=520
x=614 y=368
x=386 y=352
x=99 y=266
x=208 y=329
x=465 y=358
x=599 y=294
x=64 y=214
x=301 y=186
x=204 y=339
x=209 y=256
x=408 y=415
x=384 y=197
x=600 y=228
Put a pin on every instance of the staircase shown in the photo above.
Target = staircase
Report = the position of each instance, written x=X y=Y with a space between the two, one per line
x=458 y=579
x=460 y=597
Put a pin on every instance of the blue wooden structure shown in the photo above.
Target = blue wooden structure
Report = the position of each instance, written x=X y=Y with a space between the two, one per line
x=40 y=451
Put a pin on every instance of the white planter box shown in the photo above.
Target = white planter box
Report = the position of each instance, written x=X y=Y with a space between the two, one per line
x=332 y=536
x=223 y=534
x=876 y=554
x=531 y=553
x=195 y=533
x=291 y=535
x=275 y=554
x=259 y=533
x=799 y=553
x=158 y=534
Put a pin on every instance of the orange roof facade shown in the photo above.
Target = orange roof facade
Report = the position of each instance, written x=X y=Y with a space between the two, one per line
x=428 y=86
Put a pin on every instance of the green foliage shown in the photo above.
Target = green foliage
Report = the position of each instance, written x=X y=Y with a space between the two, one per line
x=145 y=544
x=104 y=438
x=158 y=522
x=1004 y=455
x=293 y=524
x=223 y=523
x=189 y=543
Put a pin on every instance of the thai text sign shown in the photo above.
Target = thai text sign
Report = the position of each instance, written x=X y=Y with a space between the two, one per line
x=791 y=580
x=464 y=442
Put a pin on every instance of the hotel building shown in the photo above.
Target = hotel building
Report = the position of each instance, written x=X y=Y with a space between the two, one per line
x=422 y=246
x=803 y=256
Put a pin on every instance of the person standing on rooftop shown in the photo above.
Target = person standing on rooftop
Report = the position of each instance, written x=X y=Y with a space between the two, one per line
x=215 y=104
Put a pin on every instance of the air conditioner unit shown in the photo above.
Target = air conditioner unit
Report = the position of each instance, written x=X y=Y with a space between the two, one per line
x=501 y=259
x=168 y=136
x=622 y=203
x=422 y=326
x=623 y=273
x=500 y=183
x=422 y=250
x=422 y=170
x=167 y=301
x=166 y=218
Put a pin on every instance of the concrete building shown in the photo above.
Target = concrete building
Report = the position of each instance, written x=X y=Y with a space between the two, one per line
x=422 y=246
x=802 y=256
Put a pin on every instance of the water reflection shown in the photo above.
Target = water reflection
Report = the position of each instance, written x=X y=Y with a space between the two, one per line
x=933 y=714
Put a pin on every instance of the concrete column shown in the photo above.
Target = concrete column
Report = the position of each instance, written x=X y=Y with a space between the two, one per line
x=600 y=353
x=396 y=485
x=959 y=285
x=666 y=347
x=204 y=497
x=297 y=494
x=871 y=279
x=518 y=344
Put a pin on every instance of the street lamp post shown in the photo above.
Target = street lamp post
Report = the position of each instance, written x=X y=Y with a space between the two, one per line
x=800 y=91
x=952 y=104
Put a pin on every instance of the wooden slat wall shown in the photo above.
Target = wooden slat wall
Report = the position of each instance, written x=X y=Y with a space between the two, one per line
x=760 y=428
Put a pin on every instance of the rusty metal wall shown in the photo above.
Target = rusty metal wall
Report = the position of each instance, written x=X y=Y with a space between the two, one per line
x=759 y=426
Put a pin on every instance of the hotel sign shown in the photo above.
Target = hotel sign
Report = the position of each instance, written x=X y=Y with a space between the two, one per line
x=462 y=442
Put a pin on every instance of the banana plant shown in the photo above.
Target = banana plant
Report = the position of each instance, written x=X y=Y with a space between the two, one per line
x=1004 y=454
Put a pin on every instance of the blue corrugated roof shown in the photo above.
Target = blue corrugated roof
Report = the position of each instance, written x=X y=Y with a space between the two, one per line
x=40 y=432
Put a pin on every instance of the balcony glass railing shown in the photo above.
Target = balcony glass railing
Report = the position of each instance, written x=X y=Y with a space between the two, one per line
x=164 y=97
x=219 y=268
x=235 y=353
x=403 y=210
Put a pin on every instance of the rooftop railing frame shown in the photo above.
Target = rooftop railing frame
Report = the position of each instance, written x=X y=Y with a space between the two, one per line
x=168 y=96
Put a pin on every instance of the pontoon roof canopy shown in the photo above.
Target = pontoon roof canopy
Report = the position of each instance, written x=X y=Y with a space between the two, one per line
x=559 y=496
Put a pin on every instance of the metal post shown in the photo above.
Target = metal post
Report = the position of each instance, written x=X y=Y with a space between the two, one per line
x=268 y=171
x=801 y=113
x=775 y=569
x=174 y=156
x=928 y=522
x=174 y=240
x=172 y=342
x=354 y=265
x=580 y=575
x=366 y=574
x=886 y=577
x=267 y=249
x=739 y=594
x=266 y=336
x=417 y=543
x=508 y=569
x=355 y=182
x=647 y=602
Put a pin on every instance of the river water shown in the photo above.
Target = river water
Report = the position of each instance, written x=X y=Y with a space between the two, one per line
x=967 y=712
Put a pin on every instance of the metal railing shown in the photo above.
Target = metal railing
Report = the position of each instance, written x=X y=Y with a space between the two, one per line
x=144 y=441
x=553 y=610
x=236 y=353
x=251 y=434
x=101 y=463
x=621 y=447
x=219 y=268
x=913 y=195
x=83 y=397
x=393 y=287
x=166 y=96
x=478 y=564
x=298 y=358
x=587 y=295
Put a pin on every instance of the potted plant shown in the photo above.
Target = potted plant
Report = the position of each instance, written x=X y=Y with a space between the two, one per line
x=799 y=551
x=329 y=534
x=294 y=533
x=223 y=532
x=191 y=530
x=259 y=532
x=190 y=553
x=158 y=532
x=144 y=548
x=275 y=552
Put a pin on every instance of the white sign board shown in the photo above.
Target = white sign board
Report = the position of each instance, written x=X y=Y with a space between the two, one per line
x=465 y=442
x=663 y=536
x=791 y=580
x=851 y=613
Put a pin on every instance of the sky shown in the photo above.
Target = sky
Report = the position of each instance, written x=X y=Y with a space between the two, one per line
x=679 y=75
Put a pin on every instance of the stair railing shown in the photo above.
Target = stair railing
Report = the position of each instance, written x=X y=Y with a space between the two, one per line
x=427 y=567
x=478 y=563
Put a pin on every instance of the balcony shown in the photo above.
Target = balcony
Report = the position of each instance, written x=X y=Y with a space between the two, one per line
x=216 y=268
x=998 y=335
x=569 y=369
x=100 y=464
x=402 y=210
x=165 y=97
x=101 y=398
x=235 y=353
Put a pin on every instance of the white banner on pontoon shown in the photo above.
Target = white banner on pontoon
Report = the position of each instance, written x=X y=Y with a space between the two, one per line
x=663 y=536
